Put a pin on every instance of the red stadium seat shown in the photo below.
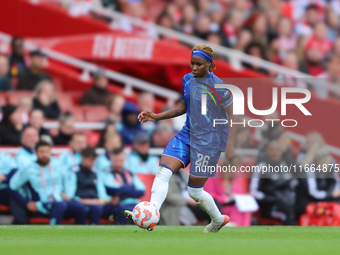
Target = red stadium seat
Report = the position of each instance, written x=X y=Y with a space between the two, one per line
x=13 y=97
x=65 y=101
x=147 y=179
x=93 y=138
x=95 y=113
x=4 y=209
x=78 y=113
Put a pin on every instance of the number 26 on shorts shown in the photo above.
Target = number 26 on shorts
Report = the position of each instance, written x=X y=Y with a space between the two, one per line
x=202 y=160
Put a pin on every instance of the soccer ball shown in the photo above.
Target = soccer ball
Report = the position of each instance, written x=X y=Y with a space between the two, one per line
x=145 y=215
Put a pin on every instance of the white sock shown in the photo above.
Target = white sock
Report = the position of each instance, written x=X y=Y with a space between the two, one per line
x=160 y=186
x=207 y=203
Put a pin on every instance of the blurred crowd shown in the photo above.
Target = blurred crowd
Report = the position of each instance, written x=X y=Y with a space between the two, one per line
x=301 y=35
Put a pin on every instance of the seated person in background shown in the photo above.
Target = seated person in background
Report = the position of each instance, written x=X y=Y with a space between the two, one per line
x=5 y=81
x=24 y=107
x=314 y=142
x=131 y=125
x=17 y=58
x=29 y=79
x=86 y=187
x=45 y=180
x=37 y=120
x=71 y=158
x=162 y=135
x=315 y=185
x=273 y=190
x=122 y=183
x=140 y=161
x=45 y=99
x=114 y=105
x=110 y=129
x=10 y=126
x=98 y=93
x=7 y=163
x=176 y=208
x=66 y=129
x=112 y=141
x=146 y=102
x=255 y=49
x=25 y=155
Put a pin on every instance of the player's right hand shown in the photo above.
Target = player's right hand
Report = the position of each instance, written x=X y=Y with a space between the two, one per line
x=146 y=116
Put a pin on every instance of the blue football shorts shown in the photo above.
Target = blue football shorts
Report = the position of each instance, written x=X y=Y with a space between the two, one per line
x=202 y=165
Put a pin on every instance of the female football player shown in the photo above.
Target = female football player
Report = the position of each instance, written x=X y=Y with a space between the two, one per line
x=200 y=141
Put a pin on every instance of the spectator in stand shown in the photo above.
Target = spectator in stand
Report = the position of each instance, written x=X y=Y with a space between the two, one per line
x=71 y=158
x=202 y=26
x=98 y=93
x=319 y=39
x=287 y=40
x=5 y=81
x=7 y=163
x=316 y=186
x=258 y=25
x=216 y=16
x=305 y=27
x=188 y=17
x=45 y=100
x=232 y=27
x=112 y=141
x=336 y=47
x=86 y=187
x=146 y=102
x=332 y=75
x=255 y=49
x=114 y=105
x=162 y=135
x=290 y=60
x=332 y=20
x=273 y=190
x=17 y=59
x=314 y=142
x=110 y=128
x=136 y=9
x=214 y=38
x=140 y=161
x=11 y=126
x=25 y=155
x=36 y=120
x=66 y=129
x=25 y=106
x=131 y=125
x=29 y=79
x=122 y=183
x=244 y=37
x=48 y=194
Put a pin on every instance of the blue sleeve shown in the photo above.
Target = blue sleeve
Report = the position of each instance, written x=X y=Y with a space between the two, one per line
x=19 y=179
x=70 y=184
x=224 y=94
x=184 y=81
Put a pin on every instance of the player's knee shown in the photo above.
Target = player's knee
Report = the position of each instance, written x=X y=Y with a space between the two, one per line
x=195 y=193
x=164 y=173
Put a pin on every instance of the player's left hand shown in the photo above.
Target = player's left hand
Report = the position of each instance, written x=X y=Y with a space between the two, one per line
x=146 y=116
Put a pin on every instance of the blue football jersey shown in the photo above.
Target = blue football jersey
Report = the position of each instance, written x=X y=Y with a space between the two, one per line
x=199 y=131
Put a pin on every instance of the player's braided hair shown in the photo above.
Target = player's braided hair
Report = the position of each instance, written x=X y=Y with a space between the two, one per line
x=209 y=51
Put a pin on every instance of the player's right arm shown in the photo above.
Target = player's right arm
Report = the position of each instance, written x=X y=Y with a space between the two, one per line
x=150 y=116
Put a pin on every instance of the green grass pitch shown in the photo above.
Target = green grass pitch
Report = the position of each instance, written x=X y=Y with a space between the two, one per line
x=101 y=240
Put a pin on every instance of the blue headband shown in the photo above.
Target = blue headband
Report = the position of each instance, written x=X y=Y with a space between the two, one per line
x=202 y=54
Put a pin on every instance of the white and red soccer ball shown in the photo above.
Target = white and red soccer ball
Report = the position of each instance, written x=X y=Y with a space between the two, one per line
x=145 y=215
